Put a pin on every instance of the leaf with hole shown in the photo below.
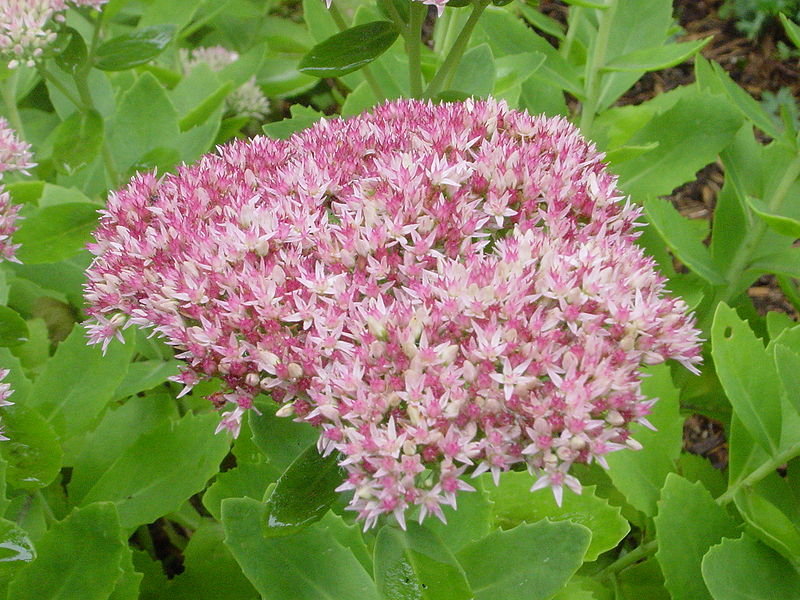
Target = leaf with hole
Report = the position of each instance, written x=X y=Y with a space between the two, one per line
x=748 y=376
x=349 y=50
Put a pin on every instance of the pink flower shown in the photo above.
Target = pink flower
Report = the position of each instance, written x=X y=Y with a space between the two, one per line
x=442 y=289
x=14 y=156
x=15 y=153
x=25 y=29
x=5 y=392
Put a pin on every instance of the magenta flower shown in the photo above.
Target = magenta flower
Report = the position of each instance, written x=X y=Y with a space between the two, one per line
x=14 y=156
x=5 y=392
x=442 y=289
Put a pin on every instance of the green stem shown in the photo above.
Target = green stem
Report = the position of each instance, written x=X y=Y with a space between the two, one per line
x=367 y=72
x=453 y=57
x=413 y=43
x=61 y=87
x=596 y=62
x=8 y=89
x=755 y=233
x=760 y=473
x=753 y=478
x=569 y=40
x=48 y=512
x=630 y=558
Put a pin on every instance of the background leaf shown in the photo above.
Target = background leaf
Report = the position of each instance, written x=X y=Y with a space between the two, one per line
x=529 y=562
x=414 y=564
x=688 y=523
x=143 y=489
x=349 y=50
x=514 y=503
x=309 y=565
x=745 y=569
x=78 y=559
x=133 y=49
x=54 y=233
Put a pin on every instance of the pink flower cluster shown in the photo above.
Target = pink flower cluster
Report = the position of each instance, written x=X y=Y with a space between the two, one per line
x=14 y=156
x=442 y=289
x=5 y=392
x=25 y=29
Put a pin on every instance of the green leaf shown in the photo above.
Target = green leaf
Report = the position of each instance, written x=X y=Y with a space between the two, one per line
x=509 y=35
x=712 y=77
x=78 y=559
x=281 y=439
x=77 y=383
x=642 y=580
x=748 y=376
x=349 y=50
x=514 y=503
x=654 y=59
x=769 y=523
x=77 y=141
x=303 y=494
x=529 y=562
x=55 y=233
x=640 y=474
x=681 y=239
x=467 y=523
x=780 y=223
x=32 y=450
x=309 y=565
x=145 y=375
x=245 y=480
x=144 y=489
x=200 y=113
x=74 y=55
x=302 y=117
x=127 y=586
x=475 y=73
x=689 y=136
x=415 y=565
x=13 y=330
x=745 y=569
x=16 y=551
x=792 y=30
x=116 y=433
x=133 y=49
x=688 y=523
x=210 y=571
x=145 y=119
x=787 y=364
x=542 y=22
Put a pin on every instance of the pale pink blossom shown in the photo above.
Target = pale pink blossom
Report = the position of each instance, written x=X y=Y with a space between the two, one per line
x=14 y=156
x=26 y=27
x=444 y=290
x=247 y=100
x=5 y=392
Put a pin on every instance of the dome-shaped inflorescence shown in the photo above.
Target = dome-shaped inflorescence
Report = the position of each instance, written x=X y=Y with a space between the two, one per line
x=441 y=289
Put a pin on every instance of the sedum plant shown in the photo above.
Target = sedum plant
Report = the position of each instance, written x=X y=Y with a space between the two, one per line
x=435 y=305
